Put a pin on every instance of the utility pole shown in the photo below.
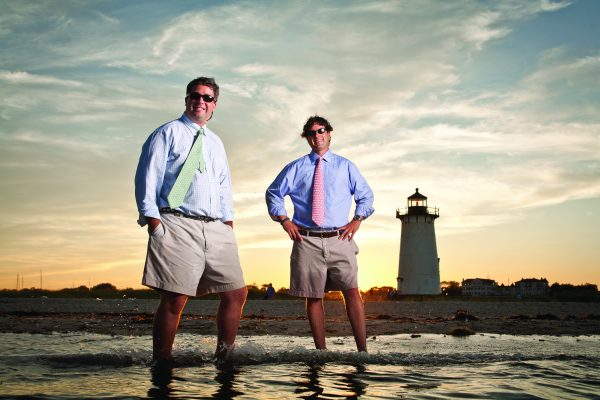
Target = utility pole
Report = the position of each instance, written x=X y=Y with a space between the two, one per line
x=17 y=281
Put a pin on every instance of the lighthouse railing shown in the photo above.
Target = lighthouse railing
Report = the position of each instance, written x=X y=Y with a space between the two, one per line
x=430 y=210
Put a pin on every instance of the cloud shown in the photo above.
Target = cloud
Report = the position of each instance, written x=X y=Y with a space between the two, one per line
x=479 y=29
x=76 y=145
x=559 y=78
x=25 y=78
x=548 y=5
x=107 y=18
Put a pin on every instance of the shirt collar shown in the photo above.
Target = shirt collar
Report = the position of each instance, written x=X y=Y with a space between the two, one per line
x=187 y=121
x=314 y=156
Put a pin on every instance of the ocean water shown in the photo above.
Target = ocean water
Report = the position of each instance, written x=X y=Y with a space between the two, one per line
x=483 y=366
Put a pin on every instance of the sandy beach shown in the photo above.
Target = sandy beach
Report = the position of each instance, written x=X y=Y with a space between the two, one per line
x=286 y=317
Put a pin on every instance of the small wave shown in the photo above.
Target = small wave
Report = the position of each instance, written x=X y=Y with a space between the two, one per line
x=90 y=360
x=253 y=354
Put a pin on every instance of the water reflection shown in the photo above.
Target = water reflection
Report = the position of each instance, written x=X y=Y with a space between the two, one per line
x=353 y=381
x=310 y=383
x=161 y=378
x=340 y=381
x=226 y=377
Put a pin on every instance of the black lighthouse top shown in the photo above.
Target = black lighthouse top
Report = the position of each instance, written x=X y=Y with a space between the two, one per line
x=417 y=205
x=417 y=200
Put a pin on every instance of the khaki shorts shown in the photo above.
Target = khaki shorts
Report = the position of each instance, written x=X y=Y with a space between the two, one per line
x=192 y=257
x=319 y=265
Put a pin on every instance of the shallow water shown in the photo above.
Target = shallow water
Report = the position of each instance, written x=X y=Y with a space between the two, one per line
x=92 y=366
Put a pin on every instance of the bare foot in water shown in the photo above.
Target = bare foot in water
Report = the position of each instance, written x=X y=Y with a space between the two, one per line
x=223 y=353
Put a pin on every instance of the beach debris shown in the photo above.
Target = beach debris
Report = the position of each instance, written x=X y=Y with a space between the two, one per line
x=415 y=335
x=461 y=331
x=520 y=317
x=141 y=318
x=547 y=316
x=463 y=315
x=338 y=341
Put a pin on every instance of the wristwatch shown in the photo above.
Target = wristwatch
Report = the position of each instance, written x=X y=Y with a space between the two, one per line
x=358 y=218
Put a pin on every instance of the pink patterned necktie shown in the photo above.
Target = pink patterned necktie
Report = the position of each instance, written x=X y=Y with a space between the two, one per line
x=318 y=205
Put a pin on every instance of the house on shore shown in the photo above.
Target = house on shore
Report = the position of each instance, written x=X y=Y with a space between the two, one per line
x=479 y=287
x=530 y=287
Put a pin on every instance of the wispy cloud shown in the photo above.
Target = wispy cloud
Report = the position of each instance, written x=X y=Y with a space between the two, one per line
x=25 y=78
x=66 y=142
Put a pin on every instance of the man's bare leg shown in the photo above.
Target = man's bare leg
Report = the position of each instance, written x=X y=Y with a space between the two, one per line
x=166 y=322
x=316 y=317
x=228 y=319
x=355 y=310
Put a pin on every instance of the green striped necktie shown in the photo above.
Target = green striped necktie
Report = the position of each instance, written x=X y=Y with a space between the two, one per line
x=195 y=160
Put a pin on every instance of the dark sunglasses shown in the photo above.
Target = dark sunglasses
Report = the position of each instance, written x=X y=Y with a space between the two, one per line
x=313 y=133
x=197 y=96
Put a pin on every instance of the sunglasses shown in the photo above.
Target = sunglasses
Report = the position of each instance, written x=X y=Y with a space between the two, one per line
x=197 y=96
x=313 y=133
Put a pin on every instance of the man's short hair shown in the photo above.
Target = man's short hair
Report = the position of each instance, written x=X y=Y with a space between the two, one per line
x=210 y=82
x=318 y=120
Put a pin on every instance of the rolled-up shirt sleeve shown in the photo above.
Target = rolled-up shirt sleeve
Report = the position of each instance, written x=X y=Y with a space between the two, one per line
x=363 y=195
x=276 y=192
x=150 y=174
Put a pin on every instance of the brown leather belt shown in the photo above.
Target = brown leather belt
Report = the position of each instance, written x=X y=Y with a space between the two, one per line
x=320 y=234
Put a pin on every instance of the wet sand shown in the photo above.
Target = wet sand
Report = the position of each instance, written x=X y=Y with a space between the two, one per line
x=287 y=317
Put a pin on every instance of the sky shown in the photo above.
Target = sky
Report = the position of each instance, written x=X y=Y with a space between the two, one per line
x=489 y=108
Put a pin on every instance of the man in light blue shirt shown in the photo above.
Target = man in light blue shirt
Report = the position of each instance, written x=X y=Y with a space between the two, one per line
x=183 y=193
x=321 y=186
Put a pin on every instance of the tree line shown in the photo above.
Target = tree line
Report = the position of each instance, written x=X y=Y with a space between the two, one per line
x=449 y=290
x=109 y=291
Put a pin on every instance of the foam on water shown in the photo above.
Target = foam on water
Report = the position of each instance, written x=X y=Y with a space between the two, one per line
x=75 y=350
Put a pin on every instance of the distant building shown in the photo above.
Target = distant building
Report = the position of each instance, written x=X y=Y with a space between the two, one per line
x=531 y=287
x=479 y=287
x=506 y=291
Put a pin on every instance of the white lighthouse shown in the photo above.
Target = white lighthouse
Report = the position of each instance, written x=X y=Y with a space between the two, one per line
x=419 y=266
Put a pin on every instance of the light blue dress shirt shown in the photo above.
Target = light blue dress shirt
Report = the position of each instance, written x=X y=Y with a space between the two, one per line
x=343 y=181
x=163 y=156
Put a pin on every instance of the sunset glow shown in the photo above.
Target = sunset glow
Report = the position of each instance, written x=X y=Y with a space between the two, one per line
x=489 y=108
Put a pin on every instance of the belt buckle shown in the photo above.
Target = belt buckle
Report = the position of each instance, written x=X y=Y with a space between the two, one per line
x=328 y=234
